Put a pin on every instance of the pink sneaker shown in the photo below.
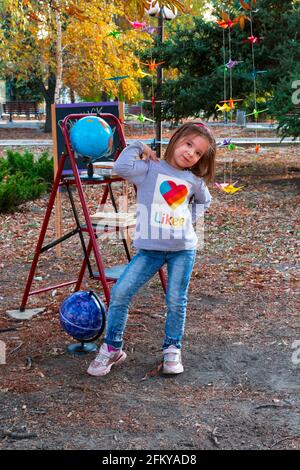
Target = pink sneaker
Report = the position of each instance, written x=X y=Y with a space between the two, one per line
x=172 y=360
x=104 y=361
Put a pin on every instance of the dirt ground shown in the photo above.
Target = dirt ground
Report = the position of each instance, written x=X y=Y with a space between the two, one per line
x=240 y=388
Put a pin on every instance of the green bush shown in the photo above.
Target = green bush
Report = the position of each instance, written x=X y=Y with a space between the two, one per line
x=23 y=179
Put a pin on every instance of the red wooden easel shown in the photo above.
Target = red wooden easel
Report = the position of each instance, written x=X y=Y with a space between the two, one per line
x=106 y=276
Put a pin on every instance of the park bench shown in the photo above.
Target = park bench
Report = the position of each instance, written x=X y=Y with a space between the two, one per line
x=19 y=108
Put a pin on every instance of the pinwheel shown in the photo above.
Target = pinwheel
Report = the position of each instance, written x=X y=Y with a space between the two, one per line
x=228 y=188
x=255 y=73
x=255 y=112
x=226 y=22
x=231 y=102
x=225 y=108
x=152 y=65
x=152 y=101
x=149 y=29
x=232 y=63
x=225 y=143
x=252 y=39
x=231 y=146
x=118 y=78
x=137 y=24
x=140 y=117
x=115 y=34
x=141 y=74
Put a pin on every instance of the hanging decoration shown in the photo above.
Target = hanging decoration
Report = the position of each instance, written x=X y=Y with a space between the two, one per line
x=140 y=117
x=137 y=24
x=232 y=63
x=224 y=108
x=255 y=73
x=256 y=113
x=115 y=34
x=231 y=102
x=152 y=65
x=228 y=188
x=252 y=39
x=141 y=74
x=228 y=104
x=118 y=78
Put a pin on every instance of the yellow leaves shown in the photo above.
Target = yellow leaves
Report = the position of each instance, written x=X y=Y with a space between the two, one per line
x=91 y=58
x=90 y=55
x=76 y=12
x=34 y=16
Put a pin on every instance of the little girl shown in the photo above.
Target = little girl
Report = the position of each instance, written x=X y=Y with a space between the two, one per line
x=164 y=235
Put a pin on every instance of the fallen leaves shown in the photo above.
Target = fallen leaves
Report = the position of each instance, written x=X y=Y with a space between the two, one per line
x=153 y=372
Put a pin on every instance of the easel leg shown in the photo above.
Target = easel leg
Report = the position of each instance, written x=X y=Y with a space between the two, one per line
x=83 y=266
x=163 y=279
x=42 y=233
x=91 y=232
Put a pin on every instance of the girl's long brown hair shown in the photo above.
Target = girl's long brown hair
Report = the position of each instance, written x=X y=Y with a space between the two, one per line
x=205 y=167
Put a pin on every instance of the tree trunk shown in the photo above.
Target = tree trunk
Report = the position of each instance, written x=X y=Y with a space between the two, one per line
x=72 y=95
x=48 y=123
x=58 y=57
x=48 y=94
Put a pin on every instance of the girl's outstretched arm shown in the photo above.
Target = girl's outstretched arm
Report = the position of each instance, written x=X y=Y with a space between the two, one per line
x=129 y=164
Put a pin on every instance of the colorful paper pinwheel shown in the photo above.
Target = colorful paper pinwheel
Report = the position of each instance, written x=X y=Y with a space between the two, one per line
x=137 y=24
x=140 y=117
x=153 y=101
x=141 y=74
x=228 y=188
x=225 y=143
x=231 y=103
x=118 y=78
x=231 y=146
x=152 y=65
x=255 y=73
x=115 y=34
x=232 y=63
x=252 y=39
x=149 y=29
x=256 y=113
x=225 y=108
x=226 y=22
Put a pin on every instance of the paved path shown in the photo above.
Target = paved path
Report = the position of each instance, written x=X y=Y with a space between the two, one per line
x=244 y=142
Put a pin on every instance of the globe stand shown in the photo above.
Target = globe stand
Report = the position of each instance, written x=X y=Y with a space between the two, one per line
x=81 y=349
x=90 y=172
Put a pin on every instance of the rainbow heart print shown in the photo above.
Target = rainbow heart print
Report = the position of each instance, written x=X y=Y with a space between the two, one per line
x=174 y=194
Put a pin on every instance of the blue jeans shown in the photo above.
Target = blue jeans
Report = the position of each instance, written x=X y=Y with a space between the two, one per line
x=141 y=268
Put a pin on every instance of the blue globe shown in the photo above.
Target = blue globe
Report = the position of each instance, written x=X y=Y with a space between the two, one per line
x=82 y=316
x=92 y=137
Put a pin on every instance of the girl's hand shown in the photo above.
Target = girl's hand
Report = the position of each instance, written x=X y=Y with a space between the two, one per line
x=149 y=154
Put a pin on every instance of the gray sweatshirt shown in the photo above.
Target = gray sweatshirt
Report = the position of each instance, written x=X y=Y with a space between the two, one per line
x=164 y=217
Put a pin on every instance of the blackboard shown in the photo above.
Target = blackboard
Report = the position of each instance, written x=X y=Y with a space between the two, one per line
x=60 y=111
